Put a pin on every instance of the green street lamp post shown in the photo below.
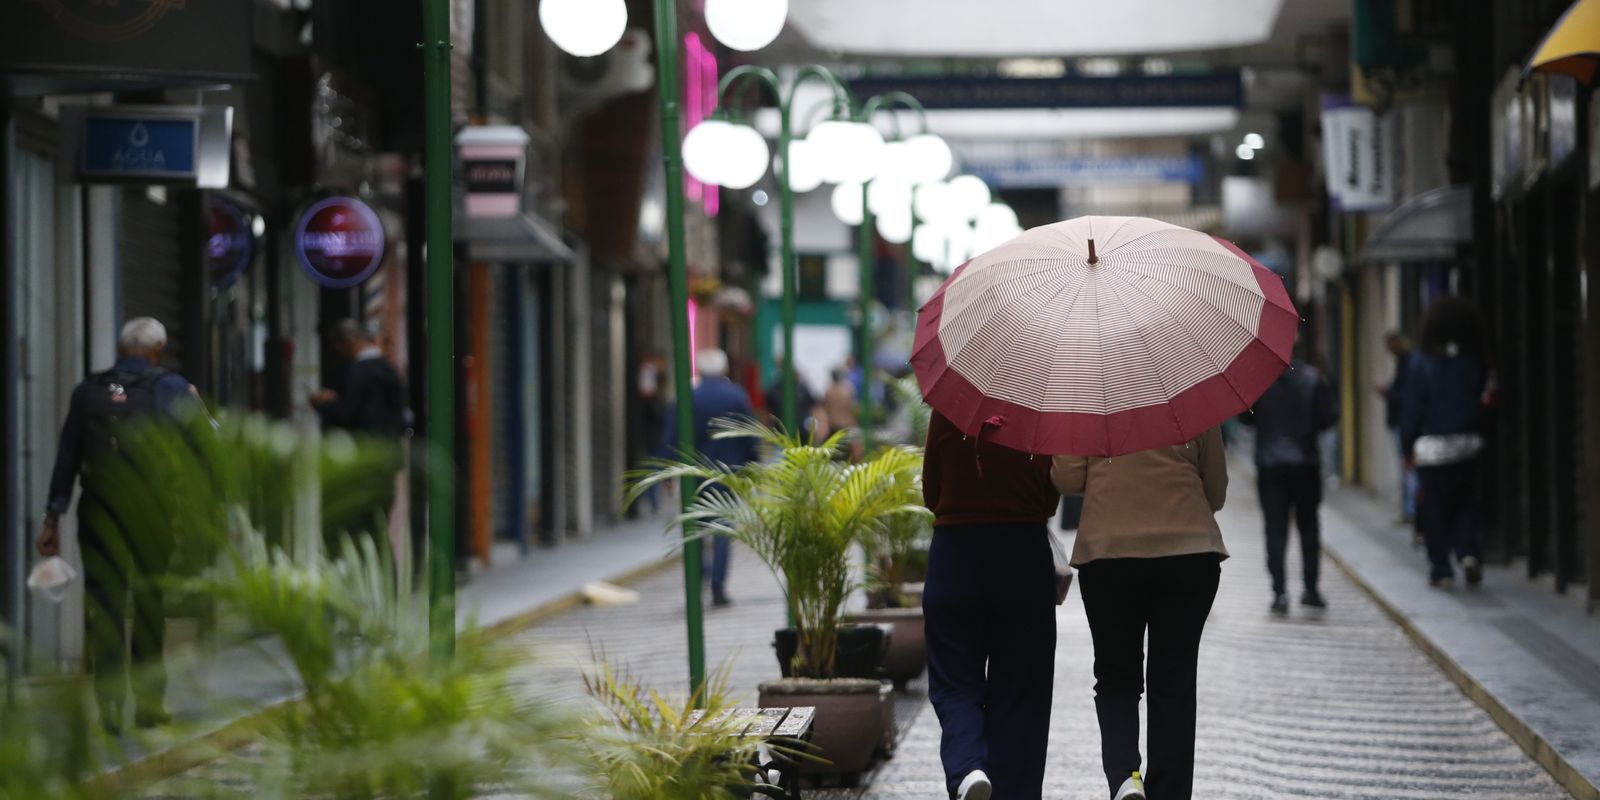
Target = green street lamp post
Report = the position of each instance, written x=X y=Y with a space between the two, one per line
x=440 y=310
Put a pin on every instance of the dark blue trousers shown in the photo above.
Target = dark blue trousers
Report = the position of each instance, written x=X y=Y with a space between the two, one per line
x=990 y=611
x=1449 y=514
x=721 y=556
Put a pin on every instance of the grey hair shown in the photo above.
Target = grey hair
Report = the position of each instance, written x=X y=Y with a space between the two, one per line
x=348 y=330
x=142 y=334
x=712 y=363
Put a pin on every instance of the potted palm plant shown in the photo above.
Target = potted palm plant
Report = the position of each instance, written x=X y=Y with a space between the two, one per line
x=802 y=513
x=891 y=551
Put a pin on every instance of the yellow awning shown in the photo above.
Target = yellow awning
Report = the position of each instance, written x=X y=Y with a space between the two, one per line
x=1573 y=46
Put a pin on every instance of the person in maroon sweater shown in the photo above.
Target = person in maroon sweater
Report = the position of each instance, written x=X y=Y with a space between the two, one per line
x=989 y=606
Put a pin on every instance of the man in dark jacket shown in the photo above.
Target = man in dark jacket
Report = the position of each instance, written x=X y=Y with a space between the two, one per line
x=123 y=559
x=717 y=398
x=1393 y=399
x=371 y=405
x=1288 y=419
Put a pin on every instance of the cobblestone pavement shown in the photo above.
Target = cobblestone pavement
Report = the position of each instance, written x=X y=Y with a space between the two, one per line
x=1340 y=705
x=1328 y=706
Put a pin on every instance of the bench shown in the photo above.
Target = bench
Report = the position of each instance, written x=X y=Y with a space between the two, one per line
x=791 y=726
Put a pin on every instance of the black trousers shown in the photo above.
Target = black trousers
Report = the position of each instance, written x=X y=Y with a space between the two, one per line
x=1448 y=513
x=125 y=618
x=1298 y=491
x=990 y=611
x=1170 y=599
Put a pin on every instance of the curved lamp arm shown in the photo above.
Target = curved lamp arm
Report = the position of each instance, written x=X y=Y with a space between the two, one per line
x=888 y=101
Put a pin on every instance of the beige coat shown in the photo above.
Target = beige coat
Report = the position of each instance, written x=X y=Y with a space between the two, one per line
x=1160 y=502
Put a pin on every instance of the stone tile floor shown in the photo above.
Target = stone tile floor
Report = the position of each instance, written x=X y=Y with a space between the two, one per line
x=1325 y=706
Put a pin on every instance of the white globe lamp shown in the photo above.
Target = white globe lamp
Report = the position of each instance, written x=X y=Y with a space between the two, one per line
x=997 y=217
x=899 y=164
x=804 y=170
x=704 y=150
x=968 y=196
x=746 y=24
x=927 y=244
x=958 y=243
x=895 y=226
x=849 y=151
x=847 y=203
x=889 y=196
x=935 y=203
x=584 y=28
x=930 y=157
x=745 y=158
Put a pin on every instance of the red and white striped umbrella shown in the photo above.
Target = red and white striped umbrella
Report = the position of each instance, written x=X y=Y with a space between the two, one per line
x=1102 y=336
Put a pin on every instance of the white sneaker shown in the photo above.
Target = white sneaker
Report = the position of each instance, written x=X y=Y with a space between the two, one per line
x=976 y=786
x=1132 y=788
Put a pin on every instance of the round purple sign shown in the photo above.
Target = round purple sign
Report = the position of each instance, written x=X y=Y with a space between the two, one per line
x=231 y=244
x=340 y=242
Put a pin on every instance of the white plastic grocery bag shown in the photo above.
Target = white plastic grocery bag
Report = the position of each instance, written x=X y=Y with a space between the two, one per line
x=51 y=577
x=1058 y=553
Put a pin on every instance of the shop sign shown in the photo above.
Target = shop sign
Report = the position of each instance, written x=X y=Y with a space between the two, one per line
x=1092 y=171
x=1221 y=88
x=339 y=242
x=89 y=43
x=492 y=159
x=1358 y=155
x=150 y=144
x=232 y=243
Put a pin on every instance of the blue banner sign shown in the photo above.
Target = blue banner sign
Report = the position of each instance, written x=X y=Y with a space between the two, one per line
x=1221 y=88
x=117 y=147
x=1092 y=171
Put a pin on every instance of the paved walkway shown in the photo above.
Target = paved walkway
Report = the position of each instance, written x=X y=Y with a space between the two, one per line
x=1332 y=706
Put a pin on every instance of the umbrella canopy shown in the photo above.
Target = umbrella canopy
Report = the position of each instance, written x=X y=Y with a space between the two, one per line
x=1103 y=336
x=1573 y=46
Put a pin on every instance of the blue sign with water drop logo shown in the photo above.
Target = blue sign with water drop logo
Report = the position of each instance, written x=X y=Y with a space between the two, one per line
x=130 y=147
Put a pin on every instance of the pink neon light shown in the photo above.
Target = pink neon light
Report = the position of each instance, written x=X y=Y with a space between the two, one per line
x=694 y=338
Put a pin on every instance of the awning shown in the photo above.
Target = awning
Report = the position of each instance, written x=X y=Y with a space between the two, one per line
x=1573 y=45
x=524 y=238
x=1429 y=227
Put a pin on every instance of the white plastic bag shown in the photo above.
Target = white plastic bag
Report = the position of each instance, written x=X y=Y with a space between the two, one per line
x=51 y=577
x=1063 y=561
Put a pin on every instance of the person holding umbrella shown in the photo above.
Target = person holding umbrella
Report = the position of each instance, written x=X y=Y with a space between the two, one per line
x=1119 y=344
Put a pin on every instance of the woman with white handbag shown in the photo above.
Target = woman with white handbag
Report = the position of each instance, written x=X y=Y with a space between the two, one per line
x=1441 y=432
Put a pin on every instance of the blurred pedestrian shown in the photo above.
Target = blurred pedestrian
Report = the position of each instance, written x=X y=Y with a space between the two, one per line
x=1289 y=419
x=653 y=419
x=1394 y=393
x=989 y=607
x=370 y=405
x=124 y=559
x=715 y=398
x=840 y=407
x=1441 y=432
x=1149 y=556
x=806 y=406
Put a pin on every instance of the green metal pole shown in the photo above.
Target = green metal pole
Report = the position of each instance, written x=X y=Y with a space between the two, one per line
x=864 y=324
x=441 y=412
x=678 y=278
x=791 y=412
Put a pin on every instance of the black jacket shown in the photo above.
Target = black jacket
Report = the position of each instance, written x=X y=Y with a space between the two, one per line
x=1444 y=395
x=1289 y=417
x=372 y=403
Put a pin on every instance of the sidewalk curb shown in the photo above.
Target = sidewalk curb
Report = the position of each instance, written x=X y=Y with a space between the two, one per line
x=1536 y=746
x=205 y=748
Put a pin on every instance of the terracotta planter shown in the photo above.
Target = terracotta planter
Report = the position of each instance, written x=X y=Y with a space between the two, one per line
x=848 y=729
x=907 y=656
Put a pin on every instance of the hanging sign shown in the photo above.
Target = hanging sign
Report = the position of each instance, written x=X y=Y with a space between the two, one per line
x=1358 y=156
x=149 y=144
x=1053 y=173
x=232 y=243
x=339 y=241
x=492 y=161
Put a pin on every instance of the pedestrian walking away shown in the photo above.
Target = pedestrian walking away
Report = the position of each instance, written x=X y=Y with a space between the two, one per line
x=369 y=404
x=124 y=560
x=989 y=609
x=1148 y=555
x=715 y=398
x=1288 y=420
x=1442 y=435
x=1394 y=394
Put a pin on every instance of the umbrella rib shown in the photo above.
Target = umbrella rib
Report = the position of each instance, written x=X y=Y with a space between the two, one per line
x=1188 y=268
x=977 y=297
x=1192 y=293
x=1220 y=370
x=1151 y=355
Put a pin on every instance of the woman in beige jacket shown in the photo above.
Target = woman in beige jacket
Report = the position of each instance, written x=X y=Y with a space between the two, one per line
x=1148 y=556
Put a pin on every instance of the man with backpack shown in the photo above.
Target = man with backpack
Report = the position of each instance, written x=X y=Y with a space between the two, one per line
x=122 y=559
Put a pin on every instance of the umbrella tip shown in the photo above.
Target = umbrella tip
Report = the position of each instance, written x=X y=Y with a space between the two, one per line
x=1093 y=259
